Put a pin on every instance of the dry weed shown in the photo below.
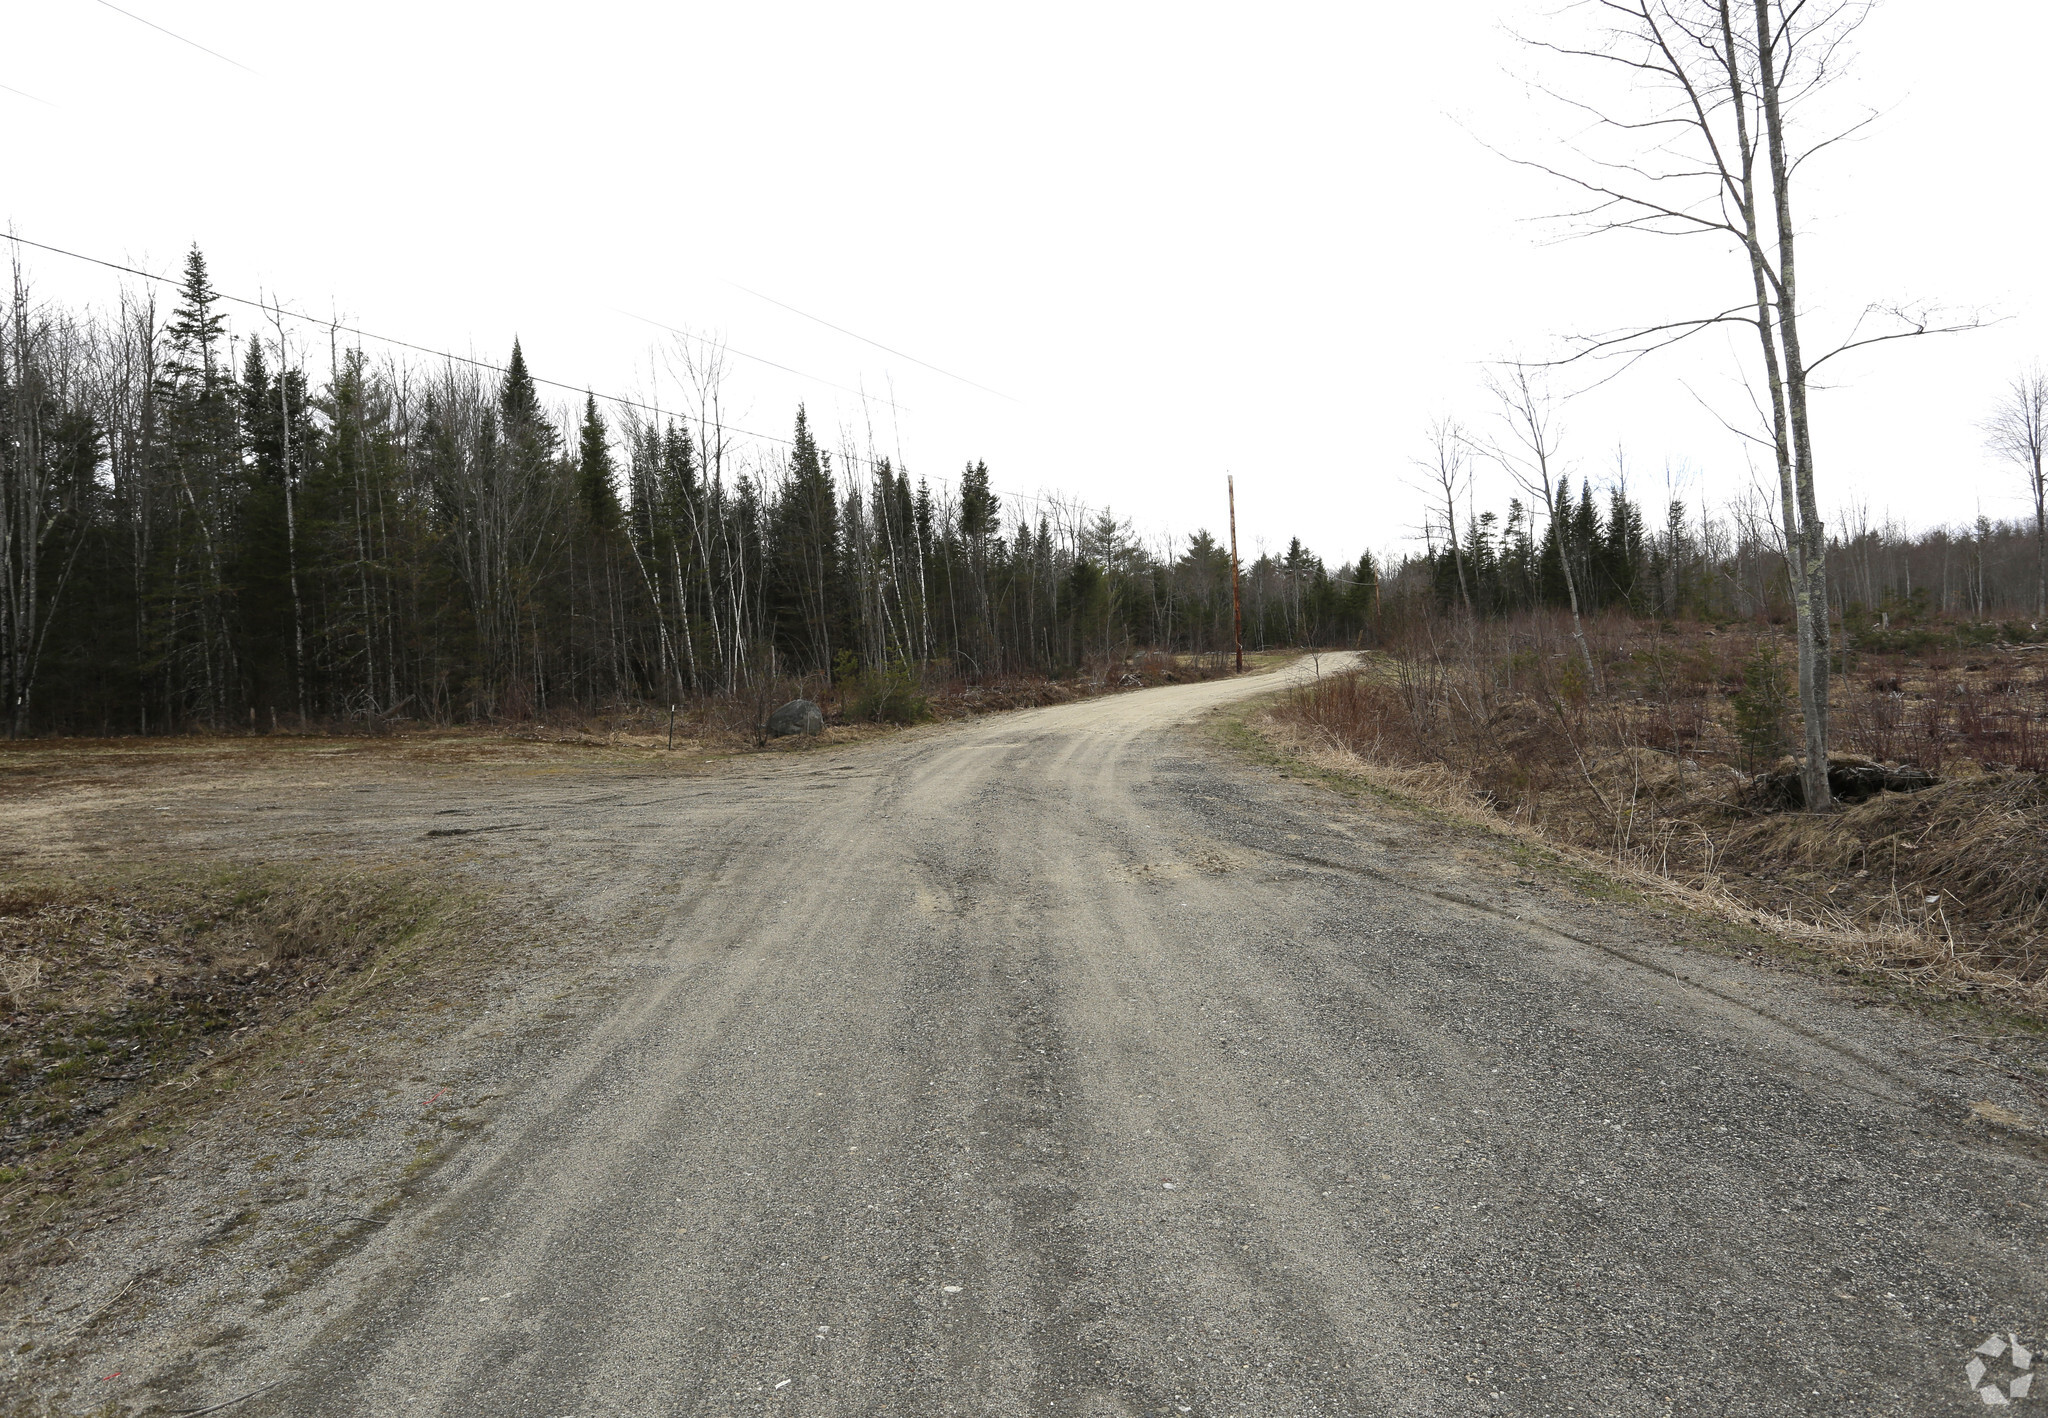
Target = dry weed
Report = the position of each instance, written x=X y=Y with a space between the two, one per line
x=1944 y=890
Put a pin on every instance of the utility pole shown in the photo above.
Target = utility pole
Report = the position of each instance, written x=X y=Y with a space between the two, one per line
x=1236 y=605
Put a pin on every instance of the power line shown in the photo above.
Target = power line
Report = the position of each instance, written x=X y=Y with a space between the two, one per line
x=21 y=93
x=178 y=37
x=274 y=308
x=866 y=341
x=759 y=359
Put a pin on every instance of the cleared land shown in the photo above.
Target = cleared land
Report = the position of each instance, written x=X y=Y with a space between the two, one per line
x=1066 y=1061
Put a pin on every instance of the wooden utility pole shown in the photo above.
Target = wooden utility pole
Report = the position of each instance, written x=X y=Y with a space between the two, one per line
x=1236 y=606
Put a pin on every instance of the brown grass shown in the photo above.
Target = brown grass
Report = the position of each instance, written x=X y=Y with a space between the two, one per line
x=116 y=980
x=717 y=724
x=1947 y=887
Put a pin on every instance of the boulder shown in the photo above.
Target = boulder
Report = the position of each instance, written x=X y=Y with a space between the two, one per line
x=799 y=716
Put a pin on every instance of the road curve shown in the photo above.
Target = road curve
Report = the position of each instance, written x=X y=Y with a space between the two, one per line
x=1061 y=1063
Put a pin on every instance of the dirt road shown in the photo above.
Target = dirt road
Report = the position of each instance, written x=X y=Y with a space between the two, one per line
x=1064 y=1062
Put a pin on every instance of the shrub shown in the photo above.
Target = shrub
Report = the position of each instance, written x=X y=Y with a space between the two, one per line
x=889 y=694
x=1902 y=640
x=1763 y=706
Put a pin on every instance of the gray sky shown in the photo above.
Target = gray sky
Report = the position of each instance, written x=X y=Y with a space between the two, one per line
x=1177 y=239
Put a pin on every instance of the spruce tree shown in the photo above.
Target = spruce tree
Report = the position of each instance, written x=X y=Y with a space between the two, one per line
x=518 y=401
x=807 y=596
x=1586 y=531
x=980 y=508
x=596 y=476
x=258 y=569
x=190 y=634
x=196 y=328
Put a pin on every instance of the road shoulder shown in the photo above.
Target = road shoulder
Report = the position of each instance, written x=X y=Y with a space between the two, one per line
x=1984 y=1067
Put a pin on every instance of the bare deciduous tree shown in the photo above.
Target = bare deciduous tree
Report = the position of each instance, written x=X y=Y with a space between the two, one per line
x=40 y=461
x=1528 y=454
x=2018 y=430
x=1705 y=139
x=1449 y=479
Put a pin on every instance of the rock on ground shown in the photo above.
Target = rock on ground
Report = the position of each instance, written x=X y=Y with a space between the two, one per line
x=799 y=716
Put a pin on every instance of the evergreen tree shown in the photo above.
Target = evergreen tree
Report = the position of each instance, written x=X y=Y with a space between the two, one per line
x=1621 y=551
x=980 y=508
x=259 y=565
x=1585 y=542
x=518 y=401
x=805 y=594
x=596 y=475
x=188 y=606
x=196 y=329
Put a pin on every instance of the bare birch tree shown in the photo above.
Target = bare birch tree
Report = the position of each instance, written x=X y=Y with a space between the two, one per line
x=2018 y=430
x=291 y=521
x=1528 y=454
x=41 y=457
x=1447 y=468
x=1706 y=139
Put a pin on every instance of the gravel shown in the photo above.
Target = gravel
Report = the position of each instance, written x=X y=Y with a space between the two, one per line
x=1062 y=1062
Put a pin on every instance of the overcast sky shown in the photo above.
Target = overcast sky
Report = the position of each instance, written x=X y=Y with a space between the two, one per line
x=1173 y=240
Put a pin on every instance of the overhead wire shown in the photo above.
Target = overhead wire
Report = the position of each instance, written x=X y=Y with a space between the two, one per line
x=23 y=93
x=758 y=359
x=275 y=308
x=853 y=335
x=178 y=37
x=278 y=309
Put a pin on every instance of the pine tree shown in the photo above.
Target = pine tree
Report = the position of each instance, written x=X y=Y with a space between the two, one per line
x=189 y=635
x=805 y=593
x=196 y=328
x=596 y=475
x=518 y=401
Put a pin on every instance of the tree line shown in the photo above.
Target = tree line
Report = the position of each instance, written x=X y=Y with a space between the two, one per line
x=1690 y=562
x=199 y=532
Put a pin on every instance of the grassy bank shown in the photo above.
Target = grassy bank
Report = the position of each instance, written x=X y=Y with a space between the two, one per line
x=137 y=998
x=1662 y=763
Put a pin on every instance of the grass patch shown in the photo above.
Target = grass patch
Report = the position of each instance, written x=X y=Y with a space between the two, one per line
x=1653 y=766
x=138 y=998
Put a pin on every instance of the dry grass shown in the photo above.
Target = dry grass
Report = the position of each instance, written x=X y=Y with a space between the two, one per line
x=712 y=724
x=118 y=979
x=172 y=993
x=1945 y=889
x=1901 y=953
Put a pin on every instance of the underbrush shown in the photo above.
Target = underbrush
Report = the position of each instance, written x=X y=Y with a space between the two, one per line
x=733 y=721
x=1669 y=761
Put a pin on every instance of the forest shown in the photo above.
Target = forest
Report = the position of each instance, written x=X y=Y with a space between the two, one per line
x=202 y=531
x=1690 y=564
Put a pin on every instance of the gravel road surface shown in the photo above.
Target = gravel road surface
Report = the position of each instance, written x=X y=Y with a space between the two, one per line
x=1065 y=1062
